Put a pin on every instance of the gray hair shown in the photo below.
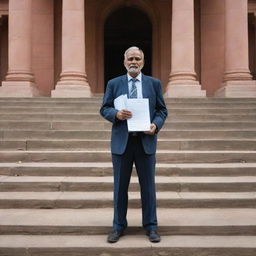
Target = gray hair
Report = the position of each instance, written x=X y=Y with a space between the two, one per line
x=134 y=48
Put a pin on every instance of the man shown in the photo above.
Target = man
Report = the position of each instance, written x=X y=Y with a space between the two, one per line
x=135 y=147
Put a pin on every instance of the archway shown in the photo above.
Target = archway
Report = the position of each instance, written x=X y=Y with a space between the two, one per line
x=127 y=26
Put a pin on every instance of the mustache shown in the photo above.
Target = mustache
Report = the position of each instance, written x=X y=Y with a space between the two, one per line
x=133 y=66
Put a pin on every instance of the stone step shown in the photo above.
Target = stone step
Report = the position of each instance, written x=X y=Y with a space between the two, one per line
x=163 y=156
x=48 y=100
x=97 y=117
x=99 y=99
x=163 y=183
x=167 y=144
x=100 y=135
x=95 y=110
x=206 y=197
x=47 y=106
x=97 y=103
x=105 y=169
x=173 y=222
x=104 y=125
x=129 y=245
x=205 y=125
x=50 y=117
x=81 y=109
x=86 y=200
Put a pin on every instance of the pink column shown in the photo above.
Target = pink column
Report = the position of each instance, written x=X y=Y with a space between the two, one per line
x=182 y=80
x=20 y=79
x=73 y=79
x=237 y=80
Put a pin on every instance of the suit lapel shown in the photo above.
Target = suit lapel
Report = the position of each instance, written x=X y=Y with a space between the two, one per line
x=144 y=84
x=124 y=85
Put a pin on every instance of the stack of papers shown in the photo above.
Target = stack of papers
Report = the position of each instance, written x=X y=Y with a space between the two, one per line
x=140 y=120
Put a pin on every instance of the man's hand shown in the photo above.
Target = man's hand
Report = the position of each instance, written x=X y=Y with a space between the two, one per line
x=123 y=114
x=152 y=129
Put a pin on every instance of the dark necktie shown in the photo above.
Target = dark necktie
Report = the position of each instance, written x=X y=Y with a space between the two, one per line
x=133 y=92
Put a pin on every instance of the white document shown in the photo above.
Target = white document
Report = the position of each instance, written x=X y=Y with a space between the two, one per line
x=140 y=120
x=121 y=102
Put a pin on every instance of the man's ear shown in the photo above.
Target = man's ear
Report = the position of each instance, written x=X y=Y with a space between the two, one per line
x=124 y=63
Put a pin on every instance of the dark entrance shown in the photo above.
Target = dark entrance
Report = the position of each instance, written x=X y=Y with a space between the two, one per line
x=3 y=47
x=252 y=44
x=124 y=28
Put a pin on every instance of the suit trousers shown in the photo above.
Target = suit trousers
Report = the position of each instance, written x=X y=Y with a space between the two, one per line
x=145 y=166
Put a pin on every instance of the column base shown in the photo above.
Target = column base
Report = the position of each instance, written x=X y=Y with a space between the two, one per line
x=237 y=89
x=18 y=89
x=71 y=91
x=184 y=91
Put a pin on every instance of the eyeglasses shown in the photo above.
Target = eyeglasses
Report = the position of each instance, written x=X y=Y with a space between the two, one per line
x=134 y=58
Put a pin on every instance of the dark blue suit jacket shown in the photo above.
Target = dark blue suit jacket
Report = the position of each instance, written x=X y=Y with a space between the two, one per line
x=151 y=89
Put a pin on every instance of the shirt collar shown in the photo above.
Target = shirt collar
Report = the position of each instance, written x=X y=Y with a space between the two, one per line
x=137 y=77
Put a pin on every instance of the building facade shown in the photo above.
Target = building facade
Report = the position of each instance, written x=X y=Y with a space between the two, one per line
x=71 y=48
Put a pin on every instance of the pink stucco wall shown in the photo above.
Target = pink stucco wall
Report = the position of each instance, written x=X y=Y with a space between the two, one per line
x=212 y=44
x=43 y=45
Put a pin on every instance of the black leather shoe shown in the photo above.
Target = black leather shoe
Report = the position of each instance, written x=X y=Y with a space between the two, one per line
x=153 y=236
x=114 y=236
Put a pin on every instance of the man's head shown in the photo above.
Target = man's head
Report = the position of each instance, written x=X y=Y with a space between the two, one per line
x=133 y=60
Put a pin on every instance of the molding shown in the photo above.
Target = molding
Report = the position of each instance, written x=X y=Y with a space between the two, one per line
x=3 y=13
x=252 y=7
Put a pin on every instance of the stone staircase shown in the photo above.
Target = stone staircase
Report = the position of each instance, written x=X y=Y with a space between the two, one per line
x=56 y=180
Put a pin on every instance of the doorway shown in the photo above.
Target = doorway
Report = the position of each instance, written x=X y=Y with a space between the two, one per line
x=3 y=47
x=126 y=27
x=252 y=43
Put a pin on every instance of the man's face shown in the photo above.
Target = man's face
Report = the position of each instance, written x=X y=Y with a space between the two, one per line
x=134 y=62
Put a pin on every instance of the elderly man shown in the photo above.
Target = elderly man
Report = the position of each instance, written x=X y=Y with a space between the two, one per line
x=134 y=147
